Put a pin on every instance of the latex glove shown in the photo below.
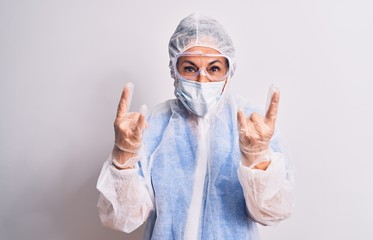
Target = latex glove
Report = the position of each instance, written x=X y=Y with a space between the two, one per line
x=255 y=134
x=128 y=127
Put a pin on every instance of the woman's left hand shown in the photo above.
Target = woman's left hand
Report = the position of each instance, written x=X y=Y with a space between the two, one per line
x=255 y=134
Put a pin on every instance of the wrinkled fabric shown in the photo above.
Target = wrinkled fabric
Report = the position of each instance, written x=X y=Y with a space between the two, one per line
x=124 y=202
x=225 y=200
x=268 y=194
x=199 y=98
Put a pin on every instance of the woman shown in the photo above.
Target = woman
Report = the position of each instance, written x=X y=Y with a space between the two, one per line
x=204 y=165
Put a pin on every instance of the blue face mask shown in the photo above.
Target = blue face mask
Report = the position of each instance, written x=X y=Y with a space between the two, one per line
x=198 y=98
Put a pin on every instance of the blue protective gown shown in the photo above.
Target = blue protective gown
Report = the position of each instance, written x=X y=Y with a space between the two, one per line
x=173 y=143
x=189 y=170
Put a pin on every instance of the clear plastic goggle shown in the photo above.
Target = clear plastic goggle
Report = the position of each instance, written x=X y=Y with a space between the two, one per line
x=215 y=67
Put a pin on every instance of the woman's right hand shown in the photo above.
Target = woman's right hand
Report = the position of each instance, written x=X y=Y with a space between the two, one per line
x=128 y=127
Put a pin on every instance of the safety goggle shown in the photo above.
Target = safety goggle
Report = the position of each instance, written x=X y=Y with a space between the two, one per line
x=216 y=67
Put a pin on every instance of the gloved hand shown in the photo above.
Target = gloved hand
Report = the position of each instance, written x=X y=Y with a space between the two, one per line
x=128 y=127
x=255 y=134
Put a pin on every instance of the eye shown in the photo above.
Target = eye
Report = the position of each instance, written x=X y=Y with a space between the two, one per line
x=214 y=69
x=190 y=69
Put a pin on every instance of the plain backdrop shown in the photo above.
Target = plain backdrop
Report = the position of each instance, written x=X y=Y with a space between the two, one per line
x=63 y=65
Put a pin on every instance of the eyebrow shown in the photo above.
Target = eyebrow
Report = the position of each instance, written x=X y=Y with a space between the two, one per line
x=217 y=60
x=192 y=63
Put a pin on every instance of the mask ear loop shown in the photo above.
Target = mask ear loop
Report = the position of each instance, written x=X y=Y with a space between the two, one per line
x=175 y=73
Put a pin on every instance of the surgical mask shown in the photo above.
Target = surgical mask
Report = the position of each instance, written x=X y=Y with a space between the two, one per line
x=198 y=98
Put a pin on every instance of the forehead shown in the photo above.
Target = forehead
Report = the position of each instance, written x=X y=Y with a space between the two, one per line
x=198 y=56
x=205 y=50
x=201 y=59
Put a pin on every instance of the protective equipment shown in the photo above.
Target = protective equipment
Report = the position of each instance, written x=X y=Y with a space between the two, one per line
x=199 y=98
x=256 y=131
x=128 y=129
x=200 y=30
x=186 y=66
x=191 y=184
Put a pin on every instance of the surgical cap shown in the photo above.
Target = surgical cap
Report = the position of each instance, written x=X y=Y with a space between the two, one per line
x=200 y=30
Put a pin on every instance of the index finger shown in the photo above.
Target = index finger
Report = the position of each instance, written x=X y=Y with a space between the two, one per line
x=271 y=114
x=125 y=100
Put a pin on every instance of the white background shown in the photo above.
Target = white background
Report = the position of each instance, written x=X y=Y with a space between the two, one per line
x=63 y=65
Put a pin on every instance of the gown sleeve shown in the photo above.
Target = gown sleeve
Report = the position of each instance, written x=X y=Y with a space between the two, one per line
x=124 y=203
x=269 y=194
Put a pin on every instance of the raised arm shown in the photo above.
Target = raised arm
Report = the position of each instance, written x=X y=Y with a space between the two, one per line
x=125 y=201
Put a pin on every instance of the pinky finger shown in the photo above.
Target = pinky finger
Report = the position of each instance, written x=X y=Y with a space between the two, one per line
x=242 y=126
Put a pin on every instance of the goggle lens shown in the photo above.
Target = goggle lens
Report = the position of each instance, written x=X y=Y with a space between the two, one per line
x=191 y=66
